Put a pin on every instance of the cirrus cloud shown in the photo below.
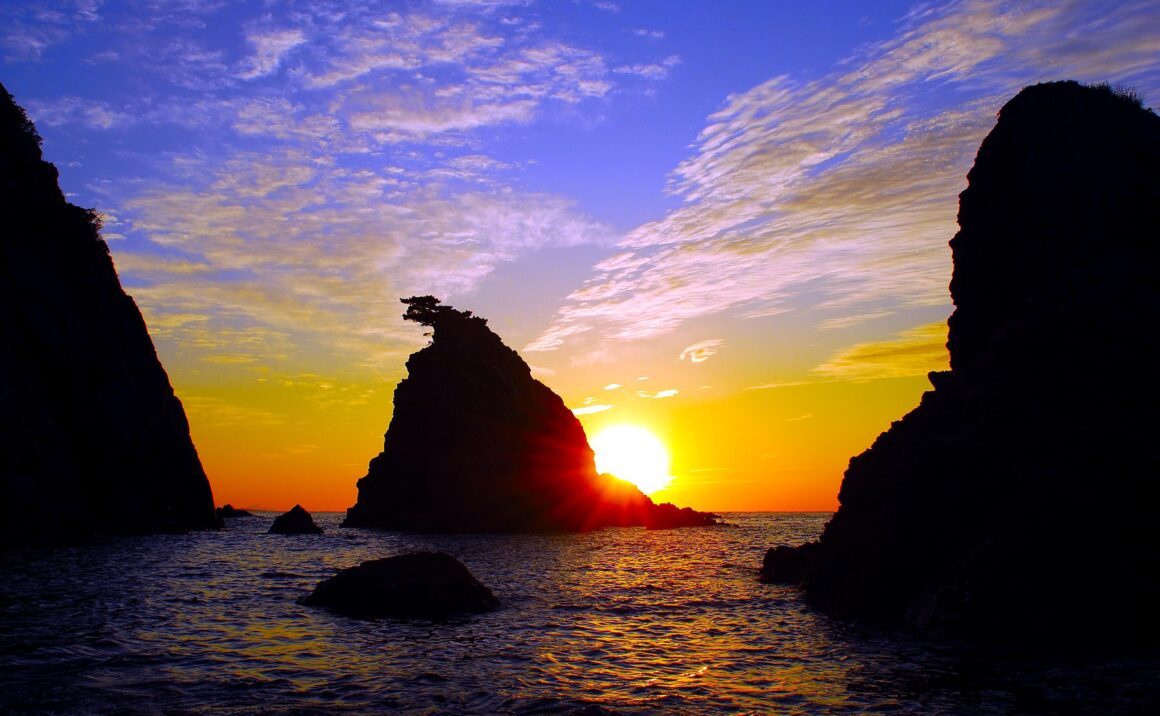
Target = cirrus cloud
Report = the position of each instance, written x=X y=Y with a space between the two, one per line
x=839 y=194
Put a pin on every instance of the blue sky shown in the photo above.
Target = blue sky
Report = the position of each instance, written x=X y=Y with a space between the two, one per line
x=766 y=186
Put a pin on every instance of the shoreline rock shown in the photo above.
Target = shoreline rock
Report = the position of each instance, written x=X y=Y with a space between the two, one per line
x=981 y=513
x=93 y=440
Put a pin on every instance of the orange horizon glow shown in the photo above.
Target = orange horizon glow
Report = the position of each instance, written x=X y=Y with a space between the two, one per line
x=776 y=450
x=745 y=252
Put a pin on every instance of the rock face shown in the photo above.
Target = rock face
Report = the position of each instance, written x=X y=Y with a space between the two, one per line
x=1017 y=500
x=295 y=522
x=425 y=585
x=92 y=437
x=477 y=445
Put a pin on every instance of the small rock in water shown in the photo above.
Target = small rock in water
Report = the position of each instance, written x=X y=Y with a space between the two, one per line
x=228 y=510
x=295 y=522
x=426 y=585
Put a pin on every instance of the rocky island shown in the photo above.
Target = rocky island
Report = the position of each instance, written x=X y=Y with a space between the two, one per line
x=476 y=444
x=295 y=521
x=1016 y=502
x=92 y=437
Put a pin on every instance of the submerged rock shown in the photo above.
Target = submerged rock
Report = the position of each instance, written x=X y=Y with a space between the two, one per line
x=228 y=510
x=478 y=445
x=295 y=522
x=92 y=437
x=982 y=512
x=425 y=585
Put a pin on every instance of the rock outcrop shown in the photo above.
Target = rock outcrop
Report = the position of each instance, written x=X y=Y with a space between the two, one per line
x=1017 y=501
x=297 y=521
x=229 y=511
x=478 y=445
x=92 y=437
x=423 y=585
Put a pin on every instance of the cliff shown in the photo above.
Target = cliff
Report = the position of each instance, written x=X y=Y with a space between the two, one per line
x=1016 y=502
x=478 y=445
x=92 y=438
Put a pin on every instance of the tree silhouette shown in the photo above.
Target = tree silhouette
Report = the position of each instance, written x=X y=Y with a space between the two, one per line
x=430 y=311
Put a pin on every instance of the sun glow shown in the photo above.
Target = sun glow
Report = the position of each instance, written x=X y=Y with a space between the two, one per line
x=633 y=454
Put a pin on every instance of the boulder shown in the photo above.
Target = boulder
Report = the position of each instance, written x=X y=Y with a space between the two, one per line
x=425 y=585
x=982 y=511
x=295 y=522
x=476 y=444
x=92 y=438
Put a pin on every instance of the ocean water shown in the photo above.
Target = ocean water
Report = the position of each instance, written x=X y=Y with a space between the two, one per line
x=618 y=620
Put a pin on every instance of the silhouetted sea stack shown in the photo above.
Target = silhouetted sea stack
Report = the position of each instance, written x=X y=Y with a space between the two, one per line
x=1017 y=501
x=478 y=445
x=297 y=521
x=425 y=585
x=92 y=438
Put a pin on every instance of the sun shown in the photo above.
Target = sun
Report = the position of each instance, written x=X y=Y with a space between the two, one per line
x=633 y=454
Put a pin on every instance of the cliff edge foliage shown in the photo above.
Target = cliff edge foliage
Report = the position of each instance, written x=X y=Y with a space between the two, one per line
x=476 y=444
x=92 y=437
x=1016 y=502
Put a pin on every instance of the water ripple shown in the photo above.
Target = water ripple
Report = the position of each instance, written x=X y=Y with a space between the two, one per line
x=620 y=620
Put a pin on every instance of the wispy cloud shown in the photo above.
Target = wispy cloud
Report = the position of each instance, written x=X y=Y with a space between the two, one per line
x=840 y=193
x=650 y=71
x=365 y=174
x=91 y=114
x=666 y=393
x=362 y=75
x=914 y=352
x=31 y=28
x=776 y=384
x=270 y=47
x=702 y=350
x=590 y=409
x=318 y=255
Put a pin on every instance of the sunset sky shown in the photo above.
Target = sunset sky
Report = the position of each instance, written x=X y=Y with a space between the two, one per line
x=725 y=222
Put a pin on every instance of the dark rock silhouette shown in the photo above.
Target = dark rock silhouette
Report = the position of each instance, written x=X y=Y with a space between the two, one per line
x=1017 y=501
x=231 y=512
x=295 y=522
x=477 y=445
x=425 y=585
x=667 y=515
x=92 y=437
x=789 y=565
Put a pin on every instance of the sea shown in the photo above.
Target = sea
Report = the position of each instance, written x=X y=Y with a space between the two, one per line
x=620 y=621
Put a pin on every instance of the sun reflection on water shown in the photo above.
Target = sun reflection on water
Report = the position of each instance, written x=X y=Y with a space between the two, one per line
x=631 y=619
